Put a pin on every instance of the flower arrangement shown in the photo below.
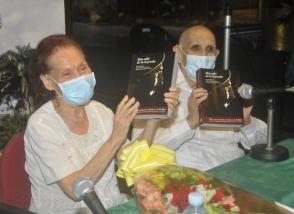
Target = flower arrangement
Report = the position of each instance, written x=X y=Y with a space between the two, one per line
x=166 y=189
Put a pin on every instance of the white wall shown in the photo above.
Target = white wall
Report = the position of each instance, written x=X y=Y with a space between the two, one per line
x=28 y=21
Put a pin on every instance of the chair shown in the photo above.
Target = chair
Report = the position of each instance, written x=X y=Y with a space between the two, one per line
x=15 y=188
x=147 y=37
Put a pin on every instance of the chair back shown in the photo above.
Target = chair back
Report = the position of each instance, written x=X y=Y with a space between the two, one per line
x=15 y=187
x=147 y=37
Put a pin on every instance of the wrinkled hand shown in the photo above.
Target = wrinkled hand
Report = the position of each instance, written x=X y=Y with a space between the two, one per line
x=172 y=97
x=125 y=113
x=197 y=96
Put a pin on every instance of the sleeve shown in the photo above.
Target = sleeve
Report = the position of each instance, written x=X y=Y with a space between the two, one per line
x=107 y=117
x=105 y=114
x=49 y=150
x=172 y=132
x=253 y=133
x=174 y=135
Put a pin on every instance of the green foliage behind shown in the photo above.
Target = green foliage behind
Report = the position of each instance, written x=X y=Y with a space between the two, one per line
x=13 y=76
x=11 y=125
x=14 y=86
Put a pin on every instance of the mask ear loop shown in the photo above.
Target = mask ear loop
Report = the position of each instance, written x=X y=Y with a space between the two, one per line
x=57 y=83
x=180 y=63
x=181 y=48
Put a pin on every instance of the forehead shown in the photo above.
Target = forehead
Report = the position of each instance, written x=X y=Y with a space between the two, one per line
x=200 y=36
x=65 y=57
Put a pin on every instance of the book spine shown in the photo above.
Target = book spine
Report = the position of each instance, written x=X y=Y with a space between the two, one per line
x=174 y=78
x=153 y=110
x=222 y=120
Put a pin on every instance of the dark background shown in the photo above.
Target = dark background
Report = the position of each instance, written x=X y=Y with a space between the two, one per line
x=261 y=42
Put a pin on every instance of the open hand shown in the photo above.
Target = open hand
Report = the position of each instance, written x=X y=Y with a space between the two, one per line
x=172 y=97
x=197 y=96
x=125 y=113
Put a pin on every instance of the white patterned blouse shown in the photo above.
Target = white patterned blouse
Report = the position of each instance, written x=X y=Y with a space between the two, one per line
x=53 y=152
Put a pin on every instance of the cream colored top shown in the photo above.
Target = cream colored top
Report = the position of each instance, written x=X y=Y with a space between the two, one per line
x=53 y=152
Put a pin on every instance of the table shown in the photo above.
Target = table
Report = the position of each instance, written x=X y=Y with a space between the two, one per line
x=129 y=207
x=271 y=180
x=8 y=209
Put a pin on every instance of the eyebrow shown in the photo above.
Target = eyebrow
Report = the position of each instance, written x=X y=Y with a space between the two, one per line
x=195 y=46
x=83 y=64
x=198 y=45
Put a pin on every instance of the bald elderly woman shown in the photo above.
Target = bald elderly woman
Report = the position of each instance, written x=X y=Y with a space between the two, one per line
x=197 y=147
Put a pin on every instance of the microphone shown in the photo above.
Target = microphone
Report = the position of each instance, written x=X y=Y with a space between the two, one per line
x=247 y=91
x=83 y=189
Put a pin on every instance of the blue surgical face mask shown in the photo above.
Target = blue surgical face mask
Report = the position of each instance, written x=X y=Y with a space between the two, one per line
x=194 y=63
x=77 y=91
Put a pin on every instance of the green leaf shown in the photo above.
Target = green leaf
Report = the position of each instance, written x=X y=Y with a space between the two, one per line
x=11 y=125
x=13 y=68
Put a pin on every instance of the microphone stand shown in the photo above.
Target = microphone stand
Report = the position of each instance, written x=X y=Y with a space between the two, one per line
x=227 y=32
x=269 y=152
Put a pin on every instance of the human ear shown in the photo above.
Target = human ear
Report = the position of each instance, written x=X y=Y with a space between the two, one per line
x=175 y=48
x=47 y=82
x=217 y=52
x=181 y=55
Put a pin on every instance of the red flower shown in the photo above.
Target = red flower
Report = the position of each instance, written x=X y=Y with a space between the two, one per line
x=180 y=195
x=201 y=181
x=227 y=207
x=218 y=195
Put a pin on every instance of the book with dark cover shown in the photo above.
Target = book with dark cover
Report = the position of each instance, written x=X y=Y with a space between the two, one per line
x=151 y=75
x=223 y=107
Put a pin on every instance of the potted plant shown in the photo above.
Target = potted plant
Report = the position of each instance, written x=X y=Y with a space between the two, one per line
x=14 y=95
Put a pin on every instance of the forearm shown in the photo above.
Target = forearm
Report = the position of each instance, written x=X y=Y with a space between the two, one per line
x=174 y=135
x=94 y=169
x=172 y=132
x=149 y=131
x=193 y=120
x=247 y=120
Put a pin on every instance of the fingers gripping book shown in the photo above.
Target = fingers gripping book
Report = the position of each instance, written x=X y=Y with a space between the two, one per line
x=151 y=75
